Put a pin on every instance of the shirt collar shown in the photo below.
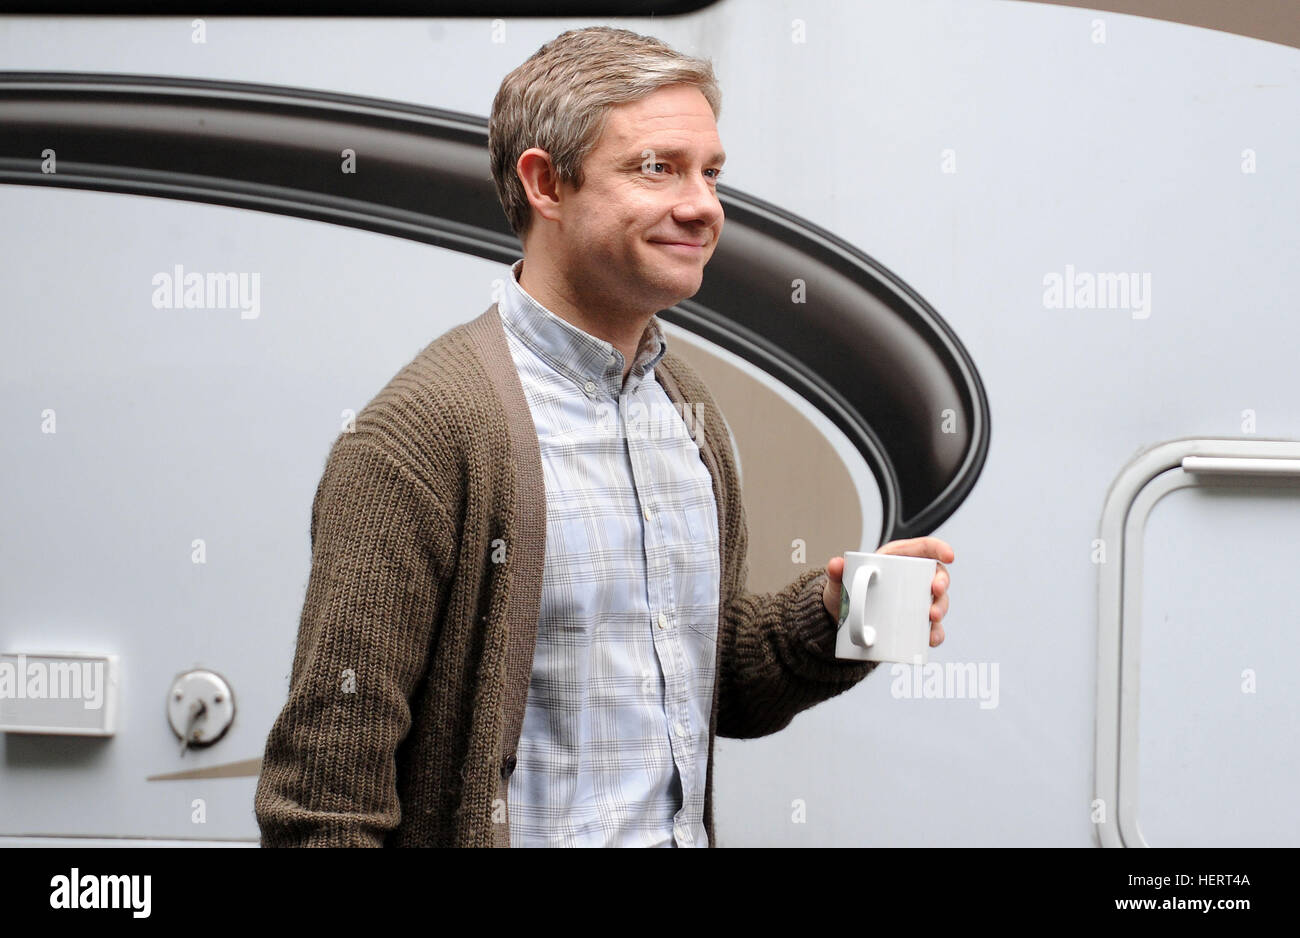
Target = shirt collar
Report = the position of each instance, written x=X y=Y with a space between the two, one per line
x=569 y=350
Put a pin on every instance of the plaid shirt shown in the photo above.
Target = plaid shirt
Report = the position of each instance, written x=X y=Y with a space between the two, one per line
x=614 y=745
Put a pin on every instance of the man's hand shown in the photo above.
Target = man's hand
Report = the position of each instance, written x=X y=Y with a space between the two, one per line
x=912 y=547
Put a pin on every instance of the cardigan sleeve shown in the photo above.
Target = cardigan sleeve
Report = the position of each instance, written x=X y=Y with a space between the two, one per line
x=778 y=651
x=381 y=552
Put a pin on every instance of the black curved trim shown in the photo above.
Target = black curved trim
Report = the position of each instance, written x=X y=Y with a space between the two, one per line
x=864 y=348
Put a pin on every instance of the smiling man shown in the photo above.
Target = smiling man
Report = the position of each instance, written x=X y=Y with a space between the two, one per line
x=634 y=238
x=527 y=618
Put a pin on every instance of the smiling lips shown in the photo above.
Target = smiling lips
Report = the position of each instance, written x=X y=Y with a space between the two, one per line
x=690 y=247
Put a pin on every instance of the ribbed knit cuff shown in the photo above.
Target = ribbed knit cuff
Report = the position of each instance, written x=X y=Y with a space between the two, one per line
x=816 y=628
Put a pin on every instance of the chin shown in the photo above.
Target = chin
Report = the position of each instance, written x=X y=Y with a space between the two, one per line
x=681 y=291
x=690 y=292
x=686 y=282
x=670 y=287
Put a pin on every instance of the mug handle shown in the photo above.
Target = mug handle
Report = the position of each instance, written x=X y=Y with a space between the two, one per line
x=860 y=633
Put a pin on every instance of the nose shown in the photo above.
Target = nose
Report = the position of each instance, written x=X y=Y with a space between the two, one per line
x=698 y=204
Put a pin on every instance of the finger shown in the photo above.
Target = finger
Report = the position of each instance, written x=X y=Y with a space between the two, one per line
x=936 y=636
x=941 y=581
x=938 y=549
x=920 y=547
x=939 y=609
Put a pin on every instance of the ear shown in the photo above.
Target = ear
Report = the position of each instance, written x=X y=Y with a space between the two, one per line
x=540 y=182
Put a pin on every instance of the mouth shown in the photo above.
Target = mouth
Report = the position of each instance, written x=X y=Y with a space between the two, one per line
x=687 y=248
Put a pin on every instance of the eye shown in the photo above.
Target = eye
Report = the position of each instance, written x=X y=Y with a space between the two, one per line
x=716 y=174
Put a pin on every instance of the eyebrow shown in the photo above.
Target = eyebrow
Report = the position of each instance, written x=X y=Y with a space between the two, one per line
x=671 y=153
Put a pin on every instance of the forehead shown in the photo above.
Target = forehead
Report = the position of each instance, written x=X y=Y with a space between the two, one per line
x=676 y=116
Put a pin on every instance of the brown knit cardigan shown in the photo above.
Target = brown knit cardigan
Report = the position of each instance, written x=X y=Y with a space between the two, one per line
x=415 y=644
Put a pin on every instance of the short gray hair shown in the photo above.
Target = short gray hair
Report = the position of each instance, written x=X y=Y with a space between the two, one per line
x=559 y=99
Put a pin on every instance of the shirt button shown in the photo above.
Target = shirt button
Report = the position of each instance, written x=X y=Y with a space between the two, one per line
x=663 y=621
x=646 y=512
x=590 y=387
x=679 y=729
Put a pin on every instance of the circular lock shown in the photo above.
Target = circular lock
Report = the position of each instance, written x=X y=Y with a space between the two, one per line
x=200 y=707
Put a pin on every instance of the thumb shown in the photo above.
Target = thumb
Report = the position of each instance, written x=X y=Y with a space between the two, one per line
x=834 y=584
x=835 y=569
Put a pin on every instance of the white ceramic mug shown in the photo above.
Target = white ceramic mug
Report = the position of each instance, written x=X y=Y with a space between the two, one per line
x=885 y=604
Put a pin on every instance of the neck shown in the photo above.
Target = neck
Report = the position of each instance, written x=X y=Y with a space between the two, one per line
x=619 y=326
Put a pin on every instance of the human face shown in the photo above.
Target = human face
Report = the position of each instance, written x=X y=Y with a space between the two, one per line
x=636 y=236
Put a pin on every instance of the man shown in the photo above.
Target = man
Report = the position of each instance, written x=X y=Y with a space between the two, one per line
x=527 y=619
